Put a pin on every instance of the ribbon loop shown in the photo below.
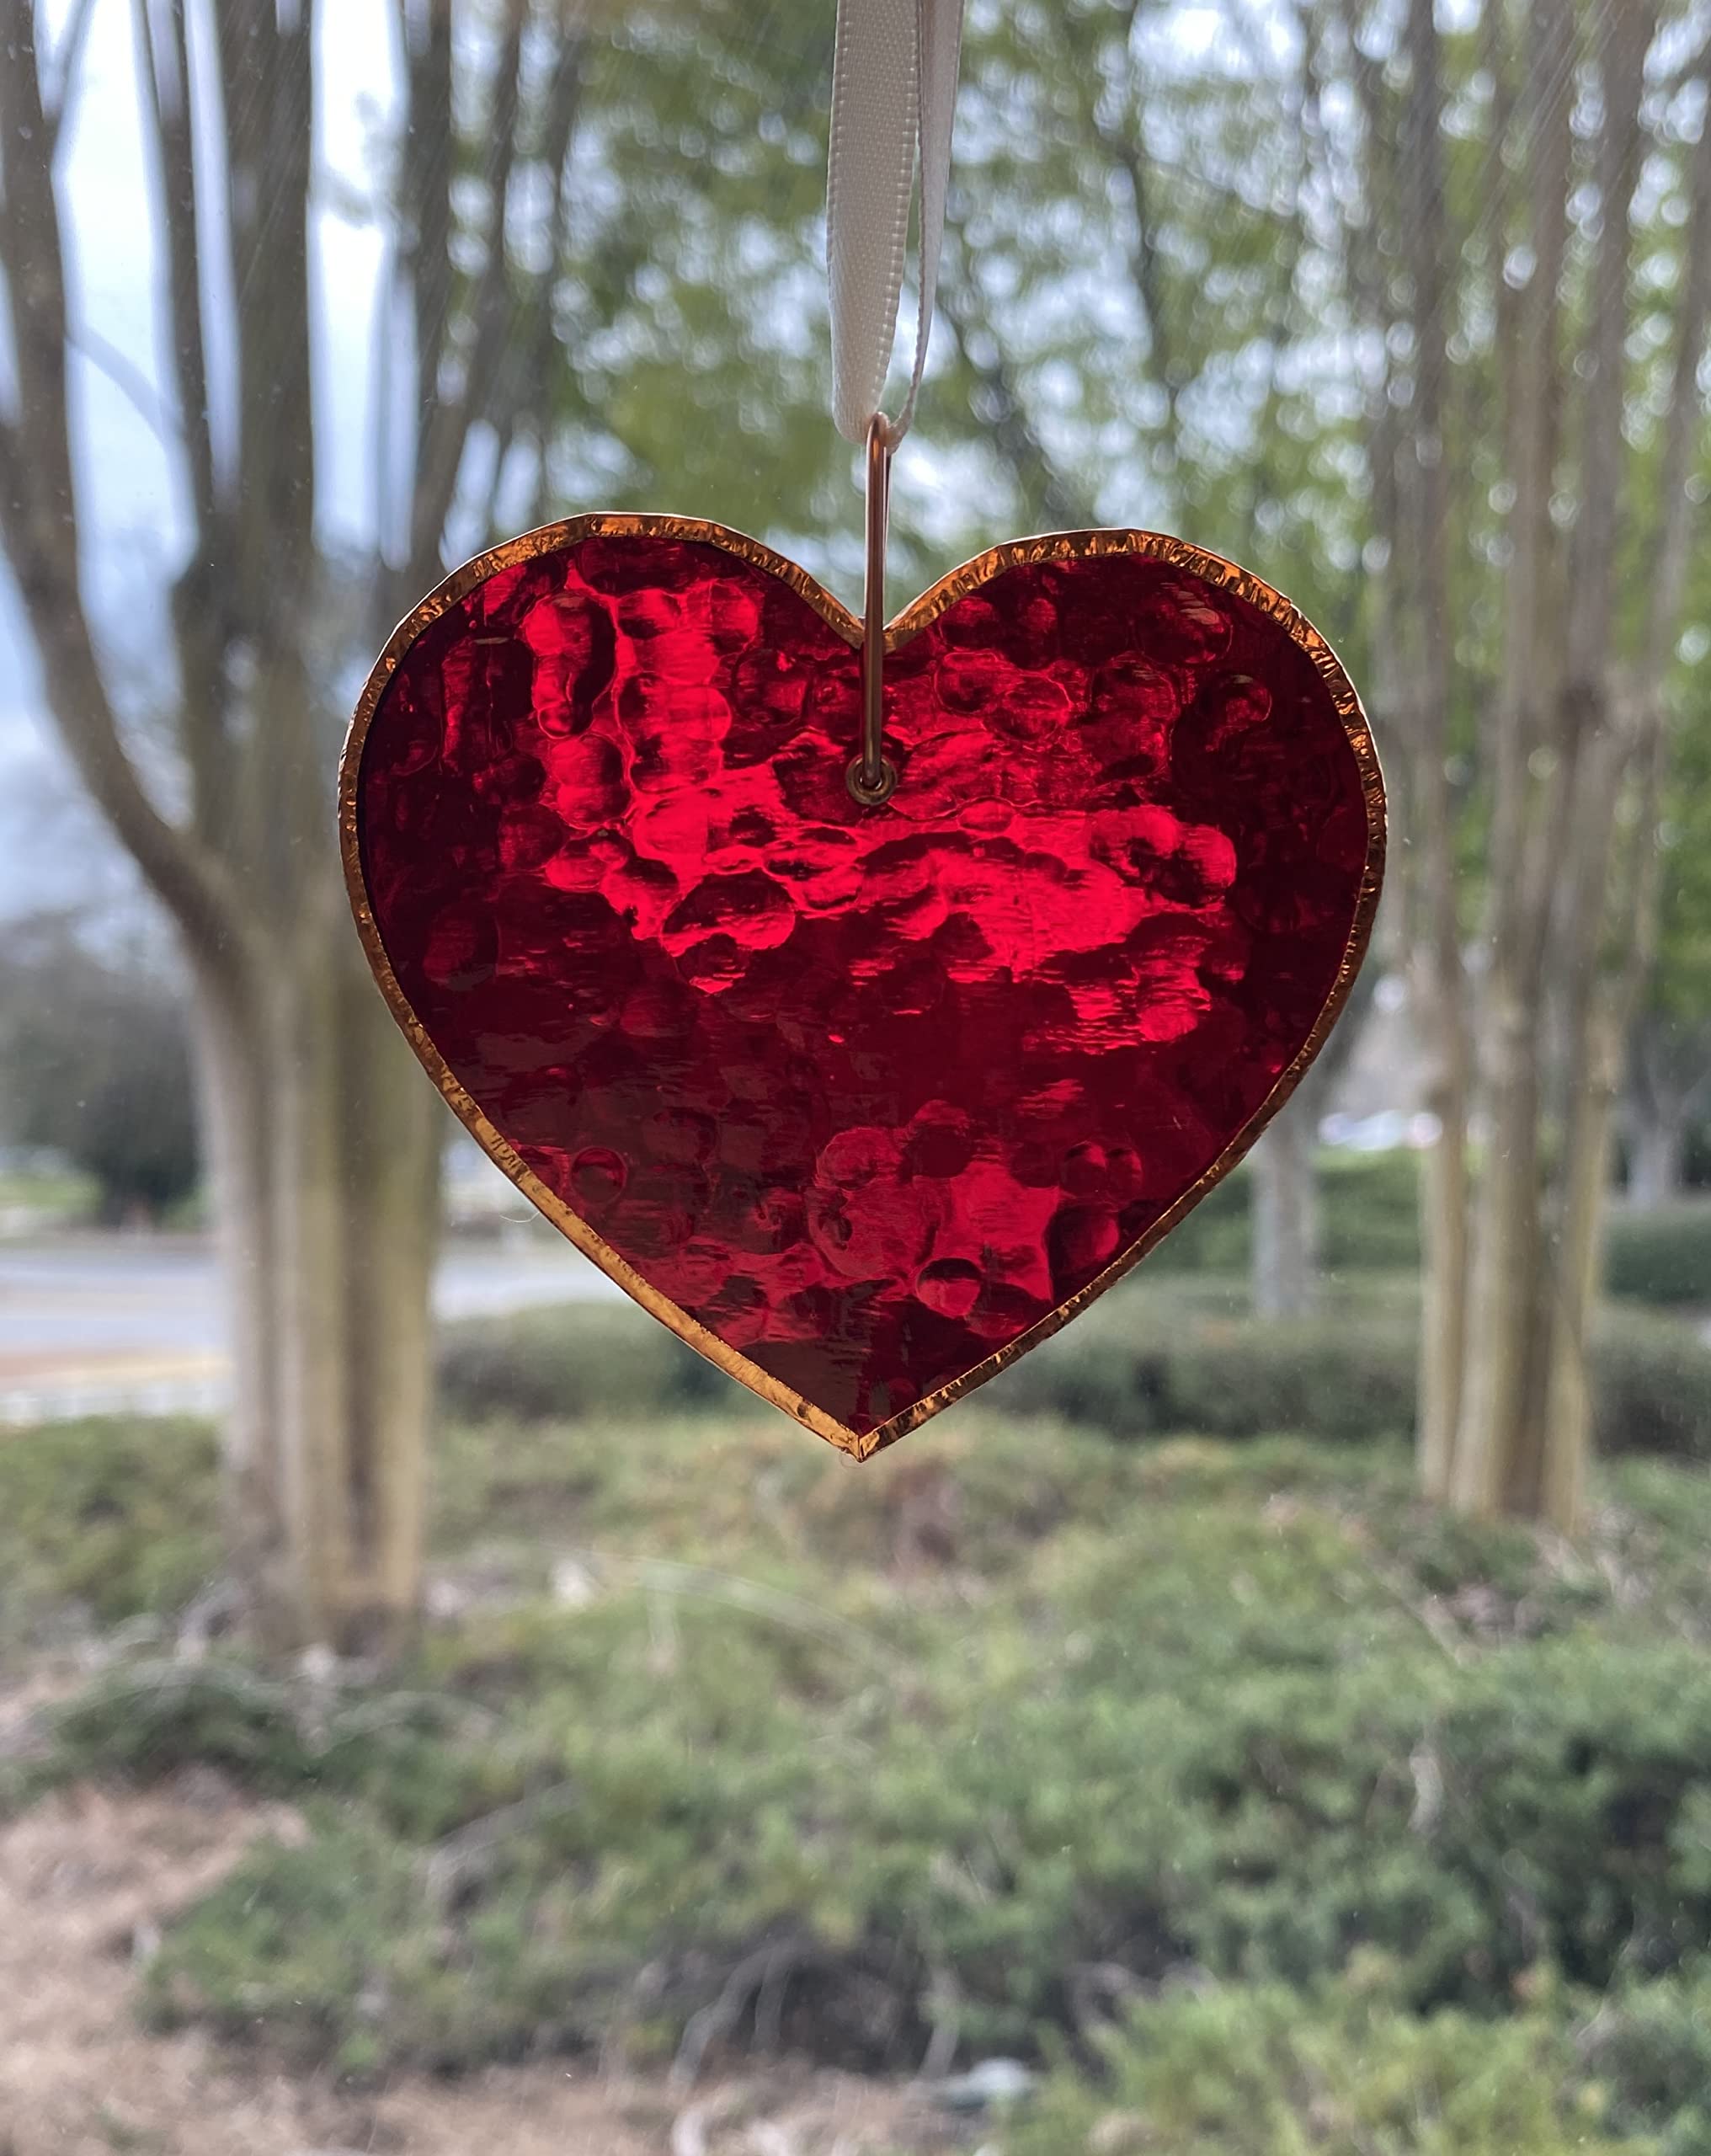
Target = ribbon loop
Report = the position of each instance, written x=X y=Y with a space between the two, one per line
x=893 y=102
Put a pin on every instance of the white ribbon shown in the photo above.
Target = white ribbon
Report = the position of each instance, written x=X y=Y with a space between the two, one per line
x=893 y=100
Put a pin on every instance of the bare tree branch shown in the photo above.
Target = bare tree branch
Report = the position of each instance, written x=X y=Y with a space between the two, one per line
x=1306 y=130
x=268 y=94
x=1364 y=269
x=167 y=86
x=202 y=597
x=449 y=420
x=1424 y=250
x=191 y=885
x=1532 y=642
x=1668 y=546
x=1628 y=36
x=563 y=101
x=39 y=516
x=998 y=403
x=425 y=192
x=520 y=395
x=130 y=381
x=1124 y=147
x=58 y=101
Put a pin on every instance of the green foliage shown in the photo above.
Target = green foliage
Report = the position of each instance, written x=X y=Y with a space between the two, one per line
x=1662 y=1255
x=1370 y=1226
x=1215 y=1237
x=1017 y=1707
x=695 y=372
x=94 y=1065
x=1371 y=1220
x=1649 y=2046
x=1162 y=1354
x=307 y=1942
x=1679 y=988
x=1070 y=384
x=146 y=1720
x=1258 y=2070
x=1240 y=1377
x=1145 y=1366
x=118 y=1519
x=1372 y=1208
x=1652 y=1386
x=581 y=1359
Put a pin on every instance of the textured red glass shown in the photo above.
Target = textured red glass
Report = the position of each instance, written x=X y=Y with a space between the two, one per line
x=866 y=1092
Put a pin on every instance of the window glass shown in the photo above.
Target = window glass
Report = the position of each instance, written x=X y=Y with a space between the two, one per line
x=437 y=1704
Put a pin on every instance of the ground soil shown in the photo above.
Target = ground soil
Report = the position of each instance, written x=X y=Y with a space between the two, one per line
x=86 y=1880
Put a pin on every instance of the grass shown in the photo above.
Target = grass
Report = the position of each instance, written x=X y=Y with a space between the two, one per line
x=1178 y=1764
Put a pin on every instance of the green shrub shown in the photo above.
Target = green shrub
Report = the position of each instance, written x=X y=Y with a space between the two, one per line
x=1157 y=1356
x=1341 y=2070
x=1021 y=1714
x=1141 y=1365
x=576 y=1359
x=286 y=1945
x=1662 y=1255
x=1651 y=1380
x=1256 y=2071
x=118 y=1518
x=1372 y=1211
x=1141 y=1709
x=1333 y=1377
x=1215 y=1237
x=1571 y=1788
x=146 y=1720
x=1370 y=1223
x=425 y=1762
x=1649 y=2044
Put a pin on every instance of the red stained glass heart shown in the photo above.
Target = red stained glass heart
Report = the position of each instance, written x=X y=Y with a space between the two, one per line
x=861 y=1102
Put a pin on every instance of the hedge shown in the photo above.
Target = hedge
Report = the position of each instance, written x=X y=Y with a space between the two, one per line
x=1370 y=1223
x=1141 y=1368
x=1662 y=1256
x=1370 y=1219
x=580 y=1360
x=1152 y=1360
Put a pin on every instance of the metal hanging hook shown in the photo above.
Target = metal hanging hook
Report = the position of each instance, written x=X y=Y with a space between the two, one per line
x=871 y=777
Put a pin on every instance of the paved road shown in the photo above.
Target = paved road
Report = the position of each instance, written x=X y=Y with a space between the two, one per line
x=103 y=1324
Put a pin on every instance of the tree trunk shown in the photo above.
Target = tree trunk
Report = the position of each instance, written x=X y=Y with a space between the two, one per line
x=1286 y=1215
x=1566 y=1438
x=1665 y=1086
x=323 y=1136
x=1499 y=1374
x=1565 y=761
x=324 y=1147
x=1657 y=1146
x=1443 y=1305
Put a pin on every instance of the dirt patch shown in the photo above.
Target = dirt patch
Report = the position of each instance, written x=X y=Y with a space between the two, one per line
x=86 y=1880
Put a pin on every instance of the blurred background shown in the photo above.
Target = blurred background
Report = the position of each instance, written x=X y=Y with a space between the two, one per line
x=1274 y=1717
